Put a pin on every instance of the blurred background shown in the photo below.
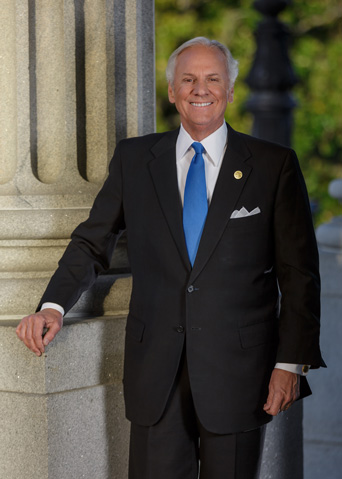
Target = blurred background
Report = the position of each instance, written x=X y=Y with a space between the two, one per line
x=316 y=54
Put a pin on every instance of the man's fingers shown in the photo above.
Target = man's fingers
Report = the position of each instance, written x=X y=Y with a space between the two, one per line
x=30 y=329
x=53 y=329
x=283 y=391
x=269 y=401
x=54 y=322
x=37 y=335
x=31 y=336
x=276 y=406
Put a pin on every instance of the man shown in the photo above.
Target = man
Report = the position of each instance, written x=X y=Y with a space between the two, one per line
x=209 y=359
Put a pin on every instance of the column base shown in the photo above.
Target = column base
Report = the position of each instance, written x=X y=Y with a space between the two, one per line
x=63 y=413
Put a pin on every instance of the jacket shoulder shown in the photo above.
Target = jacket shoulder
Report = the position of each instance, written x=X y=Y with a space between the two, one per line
x=263 y=147
x=145 y=141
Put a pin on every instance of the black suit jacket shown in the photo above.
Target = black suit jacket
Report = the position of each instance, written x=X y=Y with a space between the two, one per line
x=226 y=308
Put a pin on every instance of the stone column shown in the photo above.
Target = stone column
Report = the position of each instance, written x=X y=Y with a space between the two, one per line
x=322 y=412
x=76 y=76
x=271 y=79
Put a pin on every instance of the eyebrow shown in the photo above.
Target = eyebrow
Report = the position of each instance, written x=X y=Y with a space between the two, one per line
x=209 y=74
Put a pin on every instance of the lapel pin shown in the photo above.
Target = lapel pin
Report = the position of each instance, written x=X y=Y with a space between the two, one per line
x=238 y=175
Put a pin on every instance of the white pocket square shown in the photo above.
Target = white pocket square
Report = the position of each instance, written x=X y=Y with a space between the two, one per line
x=243 y=213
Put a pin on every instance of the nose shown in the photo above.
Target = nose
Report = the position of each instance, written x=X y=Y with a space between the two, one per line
x=201 y=88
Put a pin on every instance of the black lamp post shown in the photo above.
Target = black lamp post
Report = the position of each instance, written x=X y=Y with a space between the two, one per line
x=271 y=77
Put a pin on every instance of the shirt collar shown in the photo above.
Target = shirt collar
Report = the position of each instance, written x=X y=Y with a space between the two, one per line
x=214 y=144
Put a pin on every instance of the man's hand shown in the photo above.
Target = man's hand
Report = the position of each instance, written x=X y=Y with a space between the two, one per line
x=283 y=390
x=30 y=329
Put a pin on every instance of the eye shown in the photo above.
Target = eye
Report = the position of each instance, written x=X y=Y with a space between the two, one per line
x=188 y=80
x=213 y=79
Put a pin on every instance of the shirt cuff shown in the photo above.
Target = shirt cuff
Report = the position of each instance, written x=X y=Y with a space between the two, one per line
x=53 y=306
x=302 y=369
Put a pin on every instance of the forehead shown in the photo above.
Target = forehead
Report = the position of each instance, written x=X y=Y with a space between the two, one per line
x=201 y=57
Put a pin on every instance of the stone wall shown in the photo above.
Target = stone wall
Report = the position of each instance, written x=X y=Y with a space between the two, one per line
x=322 y=412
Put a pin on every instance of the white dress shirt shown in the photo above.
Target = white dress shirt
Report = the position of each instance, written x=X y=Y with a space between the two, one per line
x=215 y=147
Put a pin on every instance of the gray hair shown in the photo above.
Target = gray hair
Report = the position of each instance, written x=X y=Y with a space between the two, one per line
x=232 y=64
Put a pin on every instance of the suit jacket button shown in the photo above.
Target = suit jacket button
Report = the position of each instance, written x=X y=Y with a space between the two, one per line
x=180 y=329
x=190 y=289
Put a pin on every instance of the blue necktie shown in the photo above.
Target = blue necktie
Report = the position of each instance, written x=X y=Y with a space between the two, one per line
x=195 y=207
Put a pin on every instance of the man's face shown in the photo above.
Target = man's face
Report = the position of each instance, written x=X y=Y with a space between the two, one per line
x=201 y=90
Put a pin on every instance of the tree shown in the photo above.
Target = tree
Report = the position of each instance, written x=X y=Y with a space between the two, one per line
x=316 y=54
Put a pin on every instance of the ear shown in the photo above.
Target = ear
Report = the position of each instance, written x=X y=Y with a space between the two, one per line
x=231 y=94
x=171 y=94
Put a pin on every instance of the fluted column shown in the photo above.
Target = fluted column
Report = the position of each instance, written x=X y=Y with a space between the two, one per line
x=8 y=94
x=76 y=77
x=96 y=98
x=50 y=90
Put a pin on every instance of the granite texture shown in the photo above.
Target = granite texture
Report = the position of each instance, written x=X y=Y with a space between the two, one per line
x=65 y=92
x=75 y=79
x=322 y=460
x=62 y=415
x=23 y=436
x=283 y=453
x=8 y=94
x=322 y=411
x=88 y=434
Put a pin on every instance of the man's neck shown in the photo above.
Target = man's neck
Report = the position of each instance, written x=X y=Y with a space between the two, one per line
x=198 y=137
x=198 y=134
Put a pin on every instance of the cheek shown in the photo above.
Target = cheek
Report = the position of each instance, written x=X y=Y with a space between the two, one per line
x=180 y=100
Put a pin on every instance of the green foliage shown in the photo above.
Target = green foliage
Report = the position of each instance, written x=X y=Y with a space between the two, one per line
x=316 y=53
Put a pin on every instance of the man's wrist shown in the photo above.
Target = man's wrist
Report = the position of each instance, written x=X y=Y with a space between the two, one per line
x=55 y=306
x=302 y=369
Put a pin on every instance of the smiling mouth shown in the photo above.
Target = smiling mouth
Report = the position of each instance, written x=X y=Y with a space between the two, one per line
x=201 y=104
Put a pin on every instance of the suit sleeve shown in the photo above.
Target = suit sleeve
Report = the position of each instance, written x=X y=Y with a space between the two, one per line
x=92 y=243
x=297 y=268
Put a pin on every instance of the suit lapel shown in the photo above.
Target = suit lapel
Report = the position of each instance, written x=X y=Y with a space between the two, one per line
x=226 y=194
x=164 y=175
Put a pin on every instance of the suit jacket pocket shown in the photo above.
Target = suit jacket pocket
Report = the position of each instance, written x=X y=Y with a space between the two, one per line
x=134 y=328
x=247 y=222
x=258 y=334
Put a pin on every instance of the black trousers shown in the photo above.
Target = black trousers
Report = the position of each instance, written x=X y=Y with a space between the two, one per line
x=178 y=447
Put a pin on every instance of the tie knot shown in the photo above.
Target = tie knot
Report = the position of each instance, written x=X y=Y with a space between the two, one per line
x=198 y=147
